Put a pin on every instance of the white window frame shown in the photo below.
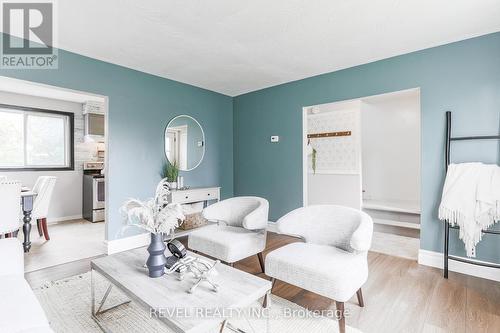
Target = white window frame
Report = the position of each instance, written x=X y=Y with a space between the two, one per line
x=68 y=137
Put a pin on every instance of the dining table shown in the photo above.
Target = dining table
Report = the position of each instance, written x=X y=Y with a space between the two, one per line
x=27 y=198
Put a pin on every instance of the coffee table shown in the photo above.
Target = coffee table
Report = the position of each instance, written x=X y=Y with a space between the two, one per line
x=163 y=296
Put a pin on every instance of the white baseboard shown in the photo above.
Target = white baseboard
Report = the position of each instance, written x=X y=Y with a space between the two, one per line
x=128 y=243
x=435 y=259
x=63 y=218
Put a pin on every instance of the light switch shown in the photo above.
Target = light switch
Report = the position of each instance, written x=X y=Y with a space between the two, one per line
x=275 y=138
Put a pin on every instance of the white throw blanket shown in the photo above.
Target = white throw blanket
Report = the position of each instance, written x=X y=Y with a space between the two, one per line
x=471 y=200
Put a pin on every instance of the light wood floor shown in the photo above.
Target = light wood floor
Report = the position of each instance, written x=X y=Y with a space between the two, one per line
x=395 y=245
x=400 y=295
x=69 y=241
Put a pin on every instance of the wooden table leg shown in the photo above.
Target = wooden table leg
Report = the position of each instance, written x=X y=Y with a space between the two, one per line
x=27 y=207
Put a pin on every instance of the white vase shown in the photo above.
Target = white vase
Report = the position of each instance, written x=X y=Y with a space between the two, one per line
x=172 y=185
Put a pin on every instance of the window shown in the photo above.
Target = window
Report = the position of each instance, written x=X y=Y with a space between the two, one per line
x=35 y=139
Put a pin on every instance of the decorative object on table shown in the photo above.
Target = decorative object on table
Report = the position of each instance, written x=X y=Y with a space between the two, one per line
x=158 y=217
x=193 y=216
x=177 y=249
x=182 y=264
x=156 y=260
x=180 y=182
x=201 y=269
x=170 y=171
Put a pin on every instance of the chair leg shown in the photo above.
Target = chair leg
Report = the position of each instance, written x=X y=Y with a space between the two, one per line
x=45 y=229
x=340 y=313
x=265 y=303
x=39 y=227
x=360 y=298
x=261 y=261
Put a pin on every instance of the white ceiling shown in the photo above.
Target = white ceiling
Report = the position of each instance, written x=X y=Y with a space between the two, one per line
x=238 y=46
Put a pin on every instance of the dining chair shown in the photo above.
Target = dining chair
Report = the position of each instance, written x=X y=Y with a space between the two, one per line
x=43 y=188
x=240 y=231
x=10 y=212
x=332 y=260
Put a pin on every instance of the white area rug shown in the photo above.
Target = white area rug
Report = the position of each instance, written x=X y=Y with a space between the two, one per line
x=67 y=305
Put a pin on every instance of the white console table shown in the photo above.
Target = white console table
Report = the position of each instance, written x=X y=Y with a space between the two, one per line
x=194 y=194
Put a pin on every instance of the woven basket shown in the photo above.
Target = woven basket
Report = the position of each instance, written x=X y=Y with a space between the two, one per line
x=194 y=220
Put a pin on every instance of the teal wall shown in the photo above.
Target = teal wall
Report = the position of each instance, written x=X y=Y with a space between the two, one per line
x=463 y=77
x=140 y=106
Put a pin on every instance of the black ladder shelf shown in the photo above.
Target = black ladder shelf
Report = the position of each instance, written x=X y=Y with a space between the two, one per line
x=447 y=256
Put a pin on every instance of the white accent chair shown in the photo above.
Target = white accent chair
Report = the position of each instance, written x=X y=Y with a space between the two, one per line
x=44 y=187
x=10 y=203
x=332 y=262
x=240 y=231
x=19 y=308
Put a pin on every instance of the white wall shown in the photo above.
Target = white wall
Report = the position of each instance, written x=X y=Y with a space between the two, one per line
x=67 y=197
x=391 y=148
x=337 y=179
x=334 y=189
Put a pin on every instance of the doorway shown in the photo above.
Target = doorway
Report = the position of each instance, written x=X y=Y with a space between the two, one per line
x=365 y=154
x=176 y=145
x=63 y=232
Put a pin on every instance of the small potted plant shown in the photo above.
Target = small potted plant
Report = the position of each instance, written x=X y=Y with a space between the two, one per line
x=170 y=171
x=158 y=217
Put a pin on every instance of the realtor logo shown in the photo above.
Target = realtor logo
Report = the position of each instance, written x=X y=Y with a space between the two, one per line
x=28 y=35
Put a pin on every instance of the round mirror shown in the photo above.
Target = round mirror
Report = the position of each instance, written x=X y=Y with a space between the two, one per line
x=184 y=142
